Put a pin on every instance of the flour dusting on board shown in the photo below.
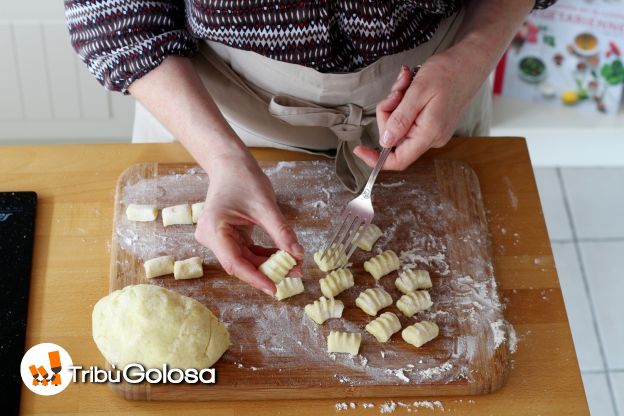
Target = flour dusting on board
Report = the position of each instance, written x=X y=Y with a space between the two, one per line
x=466 y=304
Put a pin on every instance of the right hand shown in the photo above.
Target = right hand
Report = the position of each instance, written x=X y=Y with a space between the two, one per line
x=239 y=197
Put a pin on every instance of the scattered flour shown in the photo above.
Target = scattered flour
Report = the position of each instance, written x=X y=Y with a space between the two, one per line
x=341 y=406
x=470 y=297
x=387 y=407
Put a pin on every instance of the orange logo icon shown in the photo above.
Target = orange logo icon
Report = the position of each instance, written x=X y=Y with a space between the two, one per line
x=45 y=369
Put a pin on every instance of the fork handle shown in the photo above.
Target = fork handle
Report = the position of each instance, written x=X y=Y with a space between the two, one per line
x=368 y=188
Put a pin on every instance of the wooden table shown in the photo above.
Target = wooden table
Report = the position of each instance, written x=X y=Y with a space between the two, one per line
x=76 y=186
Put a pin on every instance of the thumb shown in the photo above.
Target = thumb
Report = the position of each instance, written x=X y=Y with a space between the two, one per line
x=280 y=232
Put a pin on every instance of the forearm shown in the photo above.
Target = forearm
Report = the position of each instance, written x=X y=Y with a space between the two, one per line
x=175 y=95
x=485 y=33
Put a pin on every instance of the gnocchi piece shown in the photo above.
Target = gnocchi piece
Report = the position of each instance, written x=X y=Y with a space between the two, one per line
x=324 y=309
x=414 y=302
x=158 y=266
x=420 y=333
x=143 y=213
x=177 y=214
x=196 y=211
x=370 y=235
x=278 y=265
x=373 y=300
x=188 y=269
x=336 y=282
x=411 y=280
x=287 y=287
x=334 y=258
x=382 y=264
x=347 y=342
x=384 y=326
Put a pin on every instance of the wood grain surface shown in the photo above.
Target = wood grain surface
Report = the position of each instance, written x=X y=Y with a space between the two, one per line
x=76 y=187
x=431 y=212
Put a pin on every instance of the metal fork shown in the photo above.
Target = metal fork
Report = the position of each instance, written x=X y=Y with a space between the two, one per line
x=358 y=212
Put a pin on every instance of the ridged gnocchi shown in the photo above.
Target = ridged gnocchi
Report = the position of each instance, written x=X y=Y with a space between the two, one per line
x=287 y=287
x=414 y=302
x=347 y=342
x=277 y=266
x=336 y=282
x=382 y=264
x=384 y=326
x=420 y=333
x=323 y=309
x=373 y=300
x=369 y=236
x=334 y=258
x=411 y=280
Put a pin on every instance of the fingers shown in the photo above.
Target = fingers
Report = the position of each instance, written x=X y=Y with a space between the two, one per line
x=403 y=80
x=280 y=232
x=237 y=260
x=234 y=257
x=403 y=116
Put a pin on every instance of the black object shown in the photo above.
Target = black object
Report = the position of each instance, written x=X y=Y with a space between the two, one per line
x=17 y=232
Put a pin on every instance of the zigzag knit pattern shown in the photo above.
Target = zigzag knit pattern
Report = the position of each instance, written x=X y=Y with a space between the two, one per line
x=122 y=40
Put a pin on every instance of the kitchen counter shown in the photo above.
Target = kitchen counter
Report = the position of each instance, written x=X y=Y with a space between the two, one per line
x=76 y=185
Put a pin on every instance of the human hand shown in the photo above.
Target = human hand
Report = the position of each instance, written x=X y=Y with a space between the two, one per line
x=422 y=113
x=239 y=197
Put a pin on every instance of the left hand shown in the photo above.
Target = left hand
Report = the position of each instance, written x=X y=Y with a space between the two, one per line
x=424 y=111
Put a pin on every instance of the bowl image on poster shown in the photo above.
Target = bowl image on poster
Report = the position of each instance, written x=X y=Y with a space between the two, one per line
x=532 y=69
x=585 y=44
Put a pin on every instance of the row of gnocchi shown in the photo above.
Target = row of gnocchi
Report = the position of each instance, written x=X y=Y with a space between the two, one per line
x=191 y=268
x=174 y=215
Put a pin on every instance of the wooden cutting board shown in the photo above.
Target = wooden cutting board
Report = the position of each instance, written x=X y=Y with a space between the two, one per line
x=432 y=215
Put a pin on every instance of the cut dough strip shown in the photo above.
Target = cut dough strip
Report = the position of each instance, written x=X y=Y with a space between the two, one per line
x=384 y=326
x=143 y=213
x=188 y=269
x=334 y=258
x=196 y=211
x=277 y=266
x=420 y=333
x=177 y=214
x=414 y=302
x=411 y=280
x=324 y=309
x=336 y=282
x=370 y=235
x=289 y=286
x=373 y=300
x=346 y=342
x=159 y=266
x=382 y=264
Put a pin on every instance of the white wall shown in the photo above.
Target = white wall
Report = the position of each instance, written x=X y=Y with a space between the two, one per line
x=46 y=93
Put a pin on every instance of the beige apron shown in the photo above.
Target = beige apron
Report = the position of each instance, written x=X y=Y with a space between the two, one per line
x=270 y=103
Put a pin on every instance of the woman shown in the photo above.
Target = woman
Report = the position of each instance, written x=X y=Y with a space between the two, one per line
x=316 y=76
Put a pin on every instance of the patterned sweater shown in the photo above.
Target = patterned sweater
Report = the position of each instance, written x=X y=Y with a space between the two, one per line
x=122 y=40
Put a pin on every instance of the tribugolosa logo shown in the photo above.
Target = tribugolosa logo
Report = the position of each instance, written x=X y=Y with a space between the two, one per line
x=45 y=369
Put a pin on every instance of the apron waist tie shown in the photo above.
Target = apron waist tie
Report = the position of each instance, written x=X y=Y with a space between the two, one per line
x=347 y=122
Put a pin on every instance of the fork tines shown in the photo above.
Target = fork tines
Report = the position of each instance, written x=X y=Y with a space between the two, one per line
x=346 y=237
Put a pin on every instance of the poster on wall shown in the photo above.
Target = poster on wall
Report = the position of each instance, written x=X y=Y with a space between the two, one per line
x=570 y=54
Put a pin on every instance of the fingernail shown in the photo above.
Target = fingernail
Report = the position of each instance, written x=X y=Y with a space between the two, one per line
x=386 y=139
x=297 y=249
x=268 y=291
x=401 y=72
